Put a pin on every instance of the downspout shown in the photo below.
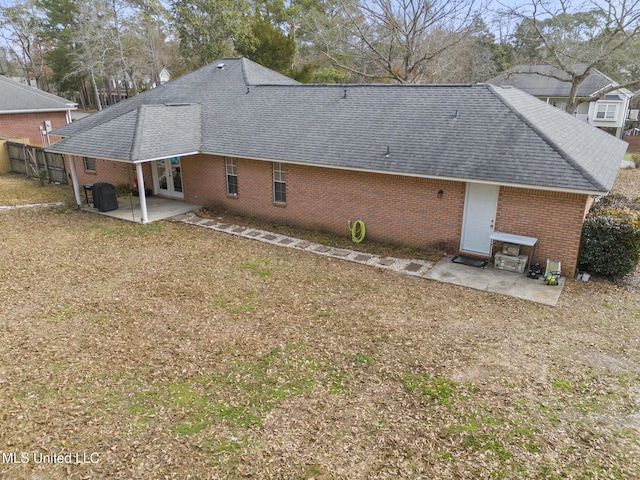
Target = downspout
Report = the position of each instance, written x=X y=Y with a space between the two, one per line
x=74 y=179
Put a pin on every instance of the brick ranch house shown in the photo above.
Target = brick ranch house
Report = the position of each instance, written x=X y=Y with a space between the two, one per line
x=31 y=114
x=419 y=164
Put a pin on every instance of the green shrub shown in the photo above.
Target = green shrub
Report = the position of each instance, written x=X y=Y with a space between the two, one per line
x=610 y=239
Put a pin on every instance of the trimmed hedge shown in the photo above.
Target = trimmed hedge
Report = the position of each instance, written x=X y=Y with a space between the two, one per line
x=611 y=238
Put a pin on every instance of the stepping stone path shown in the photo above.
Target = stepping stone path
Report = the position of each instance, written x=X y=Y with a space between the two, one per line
x=413 y=267
x=31 y=205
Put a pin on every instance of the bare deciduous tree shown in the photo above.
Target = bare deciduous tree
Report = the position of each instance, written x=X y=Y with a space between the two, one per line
x=93 y=45
x=399 y=40
x=20 y=28
x=577 y=38
x=148 y=48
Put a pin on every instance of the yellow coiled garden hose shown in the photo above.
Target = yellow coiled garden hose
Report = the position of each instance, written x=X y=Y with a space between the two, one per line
x=357 y=231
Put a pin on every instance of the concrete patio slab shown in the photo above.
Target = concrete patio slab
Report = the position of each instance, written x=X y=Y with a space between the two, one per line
x=490 y=279
x=158 y=208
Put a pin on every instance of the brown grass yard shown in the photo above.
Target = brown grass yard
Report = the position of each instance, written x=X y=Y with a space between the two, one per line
x=172 y=351
x=18 y=190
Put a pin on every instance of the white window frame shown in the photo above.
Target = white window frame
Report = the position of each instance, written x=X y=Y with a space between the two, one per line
x=231 y=165
x=280 y=182
x=608 y=111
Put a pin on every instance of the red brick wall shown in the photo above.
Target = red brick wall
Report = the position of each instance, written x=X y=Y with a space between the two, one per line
x=27 y=125
x=395 y=209
x=554 y=218
x=119 y=174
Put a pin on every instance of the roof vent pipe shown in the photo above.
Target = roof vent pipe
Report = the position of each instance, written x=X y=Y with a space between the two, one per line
x=344 y=93
x=388 y=152
x=457 y=114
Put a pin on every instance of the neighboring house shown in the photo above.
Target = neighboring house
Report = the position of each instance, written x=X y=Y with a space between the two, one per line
x=29 y=113
x=120 y=87
x=164 y=76
x=609 y=111
x=441 y=165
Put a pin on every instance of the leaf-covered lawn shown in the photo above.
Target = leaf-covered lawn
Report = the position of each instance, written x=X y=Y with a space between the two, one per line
x=172 y=351
x=16 y=189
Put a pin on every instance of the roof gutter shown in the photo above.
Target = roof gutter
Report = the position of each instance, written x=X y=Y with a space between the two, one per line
x=334 y=167
x=50 y=149
x=416 y=175
x=595 y=96
x=188 y=154
x=76 y=154
x=39 y=110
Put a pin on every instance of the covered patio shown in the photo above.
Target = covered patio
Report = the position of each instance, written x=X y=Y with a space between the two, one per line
x=158 y=208
x=149 y=133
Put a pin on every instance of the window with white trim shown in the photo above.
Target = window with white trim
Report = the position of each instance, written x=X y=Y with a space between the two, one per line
x=606 y=111
x=232 y=175
x=279 y=183
x=89 y=164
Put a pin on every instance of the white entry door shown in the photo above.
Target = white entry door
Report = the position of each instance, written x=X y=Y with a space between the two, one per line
x=480 y=207
x=167 y=177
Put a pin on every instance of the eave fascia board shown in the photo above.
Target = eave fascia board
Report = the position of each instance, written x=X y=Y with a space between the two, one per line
x=121 y=160
x=621 y=91
x=37 y=110
x=352 y=169
x=145 y=160
x=76 y=154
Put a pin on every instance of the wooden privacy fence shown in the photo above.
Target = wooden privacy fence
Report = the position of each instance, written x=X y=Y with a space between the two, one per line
x=34 y=162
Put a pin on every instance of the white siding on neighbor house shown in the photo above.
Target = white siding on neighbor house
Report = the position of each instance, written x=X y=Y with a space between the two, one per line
x=622 y=107
x=558 y=102
x=582 y=112
x=587 y=112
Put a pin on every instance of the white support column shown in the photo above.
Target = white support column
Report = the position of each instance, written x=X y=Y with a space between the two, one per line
x=74 y=179
x=142 y=193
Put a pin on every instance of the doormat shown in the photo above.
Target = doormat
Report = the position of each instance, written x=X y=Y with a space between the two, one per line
x=472 y=262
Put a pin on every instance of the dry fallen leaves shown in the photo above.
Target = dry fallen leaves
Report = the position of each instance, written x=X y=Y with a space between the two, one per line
x=168 y=353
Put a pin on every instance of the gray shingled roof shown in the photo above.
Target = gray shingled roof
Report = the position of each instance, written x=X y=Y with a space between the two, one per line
x=146 y=133
x=15 y=97
x=594 y=154
x=536 y=80
x=205 y=86
x=466 y=132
